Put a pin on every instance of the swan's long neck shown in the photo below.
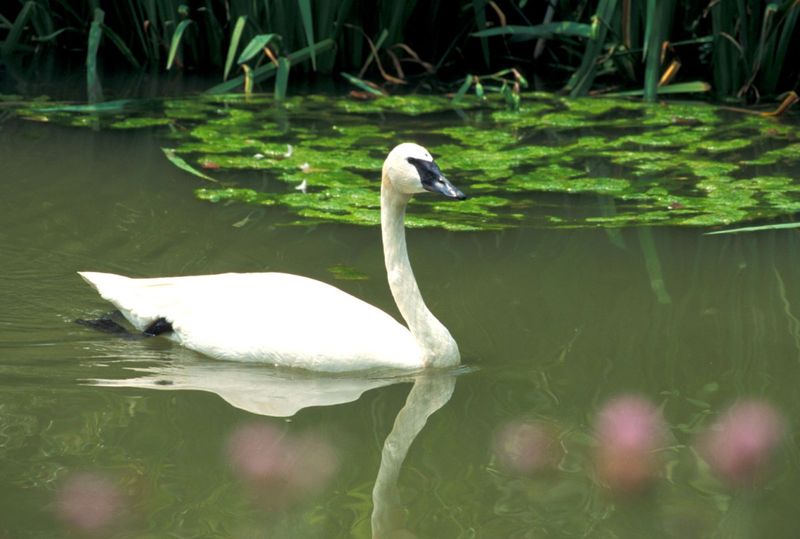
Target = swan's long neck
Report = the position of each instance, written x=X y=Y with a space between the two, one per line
x=437 y=346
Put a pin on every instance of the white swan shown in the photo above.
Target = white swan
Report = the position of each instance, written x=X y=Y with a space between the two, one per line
x=296 y=321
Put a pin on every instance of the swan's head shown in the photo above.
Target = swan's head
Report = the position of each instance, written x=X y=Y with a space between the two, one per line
x=410 y=169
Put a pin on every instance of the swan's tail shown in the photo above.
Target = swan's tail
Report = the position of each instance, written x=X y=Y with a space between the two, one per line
x=103 y=281
x=124 y=293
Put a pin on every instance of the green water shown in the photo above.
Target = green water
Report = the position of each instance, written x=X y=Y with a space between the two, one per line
x=551 y=322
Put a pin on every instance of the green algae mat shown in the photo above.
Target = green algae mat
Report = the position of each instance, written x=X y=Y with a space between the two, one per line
x=620 y=162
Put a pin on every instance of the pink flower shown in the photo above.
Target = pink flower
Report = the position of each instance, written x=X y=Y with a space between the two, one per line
x=630 y=430
x=89 y=504
x=526 y=447
x=741 y=444
x=279 y=468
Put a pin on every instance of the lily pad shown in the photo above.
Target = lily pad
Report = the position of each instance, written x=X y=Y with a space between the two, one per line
x=137 y=123
x=790 y=152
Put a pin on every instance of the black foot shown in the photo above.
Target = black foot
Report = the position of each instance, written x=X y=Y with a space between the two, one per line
x=158 y=327
x=106 y=325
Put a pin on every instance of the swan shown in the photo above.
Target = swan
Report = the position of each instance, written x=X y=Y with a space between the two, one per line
x=295 y=321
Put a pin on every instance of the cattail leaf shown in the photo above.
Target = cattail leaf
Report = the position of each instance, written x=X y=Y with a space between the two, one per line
x=183 y=165
x=93 y=87
x=248 y=79
x=779 y=226
x=677 y=88
x=308 y=26
x=364 y=85
x=176 y=40
x=524 y=33
x=463 y=89
x=255 y=47
x=15 y=33
x=236 y=36
x=282 y=78
x=265 y=71
x=479 y=9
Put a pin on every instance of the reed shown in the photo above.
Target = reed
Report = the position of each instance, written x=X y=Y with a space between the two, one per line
x=740 y=49
x=94 y=88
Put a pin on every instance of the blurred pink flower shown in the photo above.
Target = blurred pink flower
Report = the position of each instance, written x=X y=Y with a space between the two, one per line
x=259 y=452
x=741 y=444
x=526 y=447
x=630 y=430
x=89 y=503
x=277 y=467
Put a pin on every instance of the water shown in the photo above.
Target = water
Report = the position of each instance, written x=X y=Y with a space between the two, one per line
x=552 y=323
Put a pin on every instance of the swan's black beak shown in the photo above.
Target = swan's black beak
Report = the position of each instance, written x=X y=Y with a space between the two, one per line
x=443 y=186
x=433 y=180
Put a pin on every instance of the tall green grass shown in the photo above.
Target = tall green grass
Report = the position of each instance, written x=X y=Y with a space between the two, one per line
x=740 y=49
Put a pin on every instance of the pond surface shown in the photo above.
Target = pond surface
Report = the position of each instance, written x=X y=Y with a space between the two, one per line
x=552 y=321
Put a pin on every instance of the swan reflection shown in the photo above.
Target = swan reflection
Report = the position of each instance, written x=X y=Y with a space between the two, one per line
x=284 y=392
x=430 y=392
x=258 y=389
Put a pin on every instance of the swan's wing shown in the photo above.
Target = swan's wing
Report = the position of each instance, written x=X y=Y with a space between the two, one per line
x=272 y=317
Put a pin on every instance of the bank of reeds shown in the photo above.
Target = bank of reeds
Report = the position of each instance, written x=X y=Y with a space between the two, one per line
x=739 y=49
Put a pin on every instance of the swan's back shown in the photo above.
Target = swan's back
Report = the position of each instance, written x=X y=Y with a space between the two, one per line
x=267 y=317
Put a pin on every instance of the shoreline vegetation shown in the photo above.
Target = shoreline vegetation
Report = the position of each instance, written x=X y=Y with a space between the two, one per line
x=722 y=166
x=736 y=53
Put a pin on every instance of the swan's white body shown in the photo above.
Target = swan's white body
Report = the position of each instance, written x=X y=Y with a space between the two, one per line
x=296 y=321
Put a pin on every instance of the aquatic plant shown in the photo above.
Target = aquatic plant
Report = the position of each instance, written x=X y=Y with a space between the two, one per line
x=676 y=164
